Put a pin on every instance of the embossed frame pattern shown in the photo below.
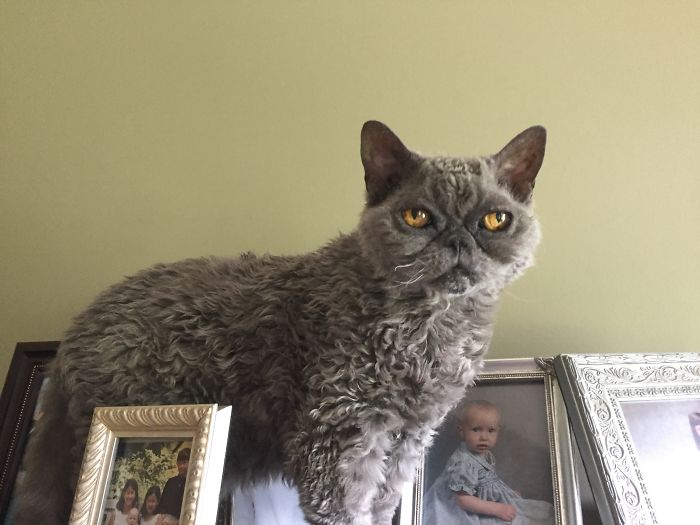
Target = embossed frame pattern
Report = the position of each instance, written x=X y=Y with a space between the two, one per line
x=594 y=387
x=510 y=372
x=109 y=424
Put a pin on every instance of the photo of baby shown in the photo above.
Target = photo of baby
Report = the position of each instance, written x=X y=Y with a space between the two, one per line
x=469 y=491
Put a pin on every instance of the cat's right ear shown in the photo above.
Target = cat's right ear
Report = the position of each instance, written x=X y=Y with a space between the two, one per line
x=520 y=160
x=384 y=157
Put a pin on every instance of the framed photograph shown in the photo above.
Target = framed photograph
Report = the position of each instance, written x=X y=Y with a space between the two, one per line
x=529 y=463
x=162 y=461
x=635 y=418
x=19 y=409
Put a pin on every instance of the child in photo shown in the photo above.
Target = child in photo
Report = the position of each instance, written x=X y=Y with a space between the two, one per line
x=128 y=500
x=132 y=518
x=150 y=504
x=468 y=491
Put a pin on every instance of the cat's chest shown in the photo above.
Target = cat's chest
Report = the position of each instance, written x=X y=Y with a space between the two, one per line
x=425 y=356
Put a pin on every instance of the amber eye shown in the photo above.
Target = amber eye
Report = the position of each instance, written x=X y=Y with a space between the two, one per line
x=416 y=217
x=496 y=220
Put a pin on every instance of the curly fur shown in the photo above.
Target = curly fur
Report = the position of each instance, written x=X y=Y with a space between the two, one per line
x=338 y=364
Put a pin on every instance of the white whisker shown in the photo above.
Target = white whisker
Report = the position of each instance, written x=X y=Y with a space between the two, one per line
x=515 y=297
x=410 y=281
x=404 y=265
x=415 y=279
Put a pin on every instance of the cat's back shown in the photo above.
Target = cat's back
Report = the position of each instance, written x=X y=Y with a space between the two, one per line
x=172 y=328
x=167 y=292
x=239 y=282
x=169 y=303
x=219 y=308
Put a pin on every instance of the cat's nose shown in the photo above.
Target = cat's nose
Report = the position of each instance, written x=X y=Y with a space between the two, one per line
x=459 y=242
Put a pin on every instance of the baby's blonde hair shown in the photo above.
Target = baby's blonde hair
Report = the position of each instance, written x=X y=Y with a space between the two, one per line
x=465 y=405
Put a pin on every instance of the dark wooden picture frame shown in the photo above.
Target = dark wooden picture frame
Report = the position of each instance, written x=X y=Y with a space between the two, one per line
x=19 y=398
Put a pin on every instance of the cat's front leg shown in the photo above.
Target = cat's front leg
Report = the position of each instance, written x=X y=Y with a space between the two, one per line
x=400 y=469
x=340 y=470
x=330 y=492
x=385 y=507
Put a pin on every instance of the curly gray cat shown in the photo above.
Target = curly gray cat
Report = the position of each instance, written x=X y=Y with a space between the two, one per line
x=338 y=364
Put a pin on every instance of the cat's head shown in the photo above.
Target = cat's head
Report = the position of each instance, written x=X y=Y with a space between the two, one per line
x=449 y=225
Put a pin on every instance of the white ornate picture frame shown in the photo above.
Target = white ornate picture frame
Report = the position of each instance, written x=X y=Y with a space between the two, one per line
x=513 y=383
x=206 y=426
x=632 y=416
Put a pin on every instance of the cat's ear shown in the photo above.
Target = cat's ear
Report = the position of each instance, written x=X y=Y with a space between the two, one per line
x=520 y=160
x=384 y=157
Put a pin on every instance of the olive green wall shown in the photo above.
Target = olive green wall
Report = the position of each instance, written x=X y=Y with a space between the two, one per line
x=136 y=132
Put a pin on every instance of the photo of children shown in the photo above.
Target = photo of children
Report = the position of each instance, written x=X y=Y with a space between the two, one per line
x=469 y=491
x=155 y=469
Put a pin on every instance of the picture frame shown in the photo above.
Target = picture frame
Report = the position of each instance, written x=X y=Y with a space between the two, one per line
x=18 y=403
x=513 y=384
x=632 y=416
x=205 y=425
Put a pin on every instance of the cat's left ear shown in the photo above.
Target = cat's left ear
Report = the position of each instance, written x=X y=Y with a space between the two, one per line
x=385 y=159
x=520 y=160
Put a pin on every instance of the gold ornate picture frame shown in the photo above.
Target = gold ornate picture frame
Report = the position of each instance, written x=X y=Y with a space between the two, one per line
x=206 y=426
x=633 y=416
x=534 y=417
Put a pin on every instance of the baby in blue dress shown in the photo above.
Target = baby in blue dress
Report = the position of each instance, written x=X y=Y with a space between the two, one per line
x=468 y=491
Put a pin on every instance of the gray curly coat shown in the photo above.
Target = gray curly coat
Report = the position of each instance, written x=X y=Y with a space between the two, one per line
x=338 y=364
